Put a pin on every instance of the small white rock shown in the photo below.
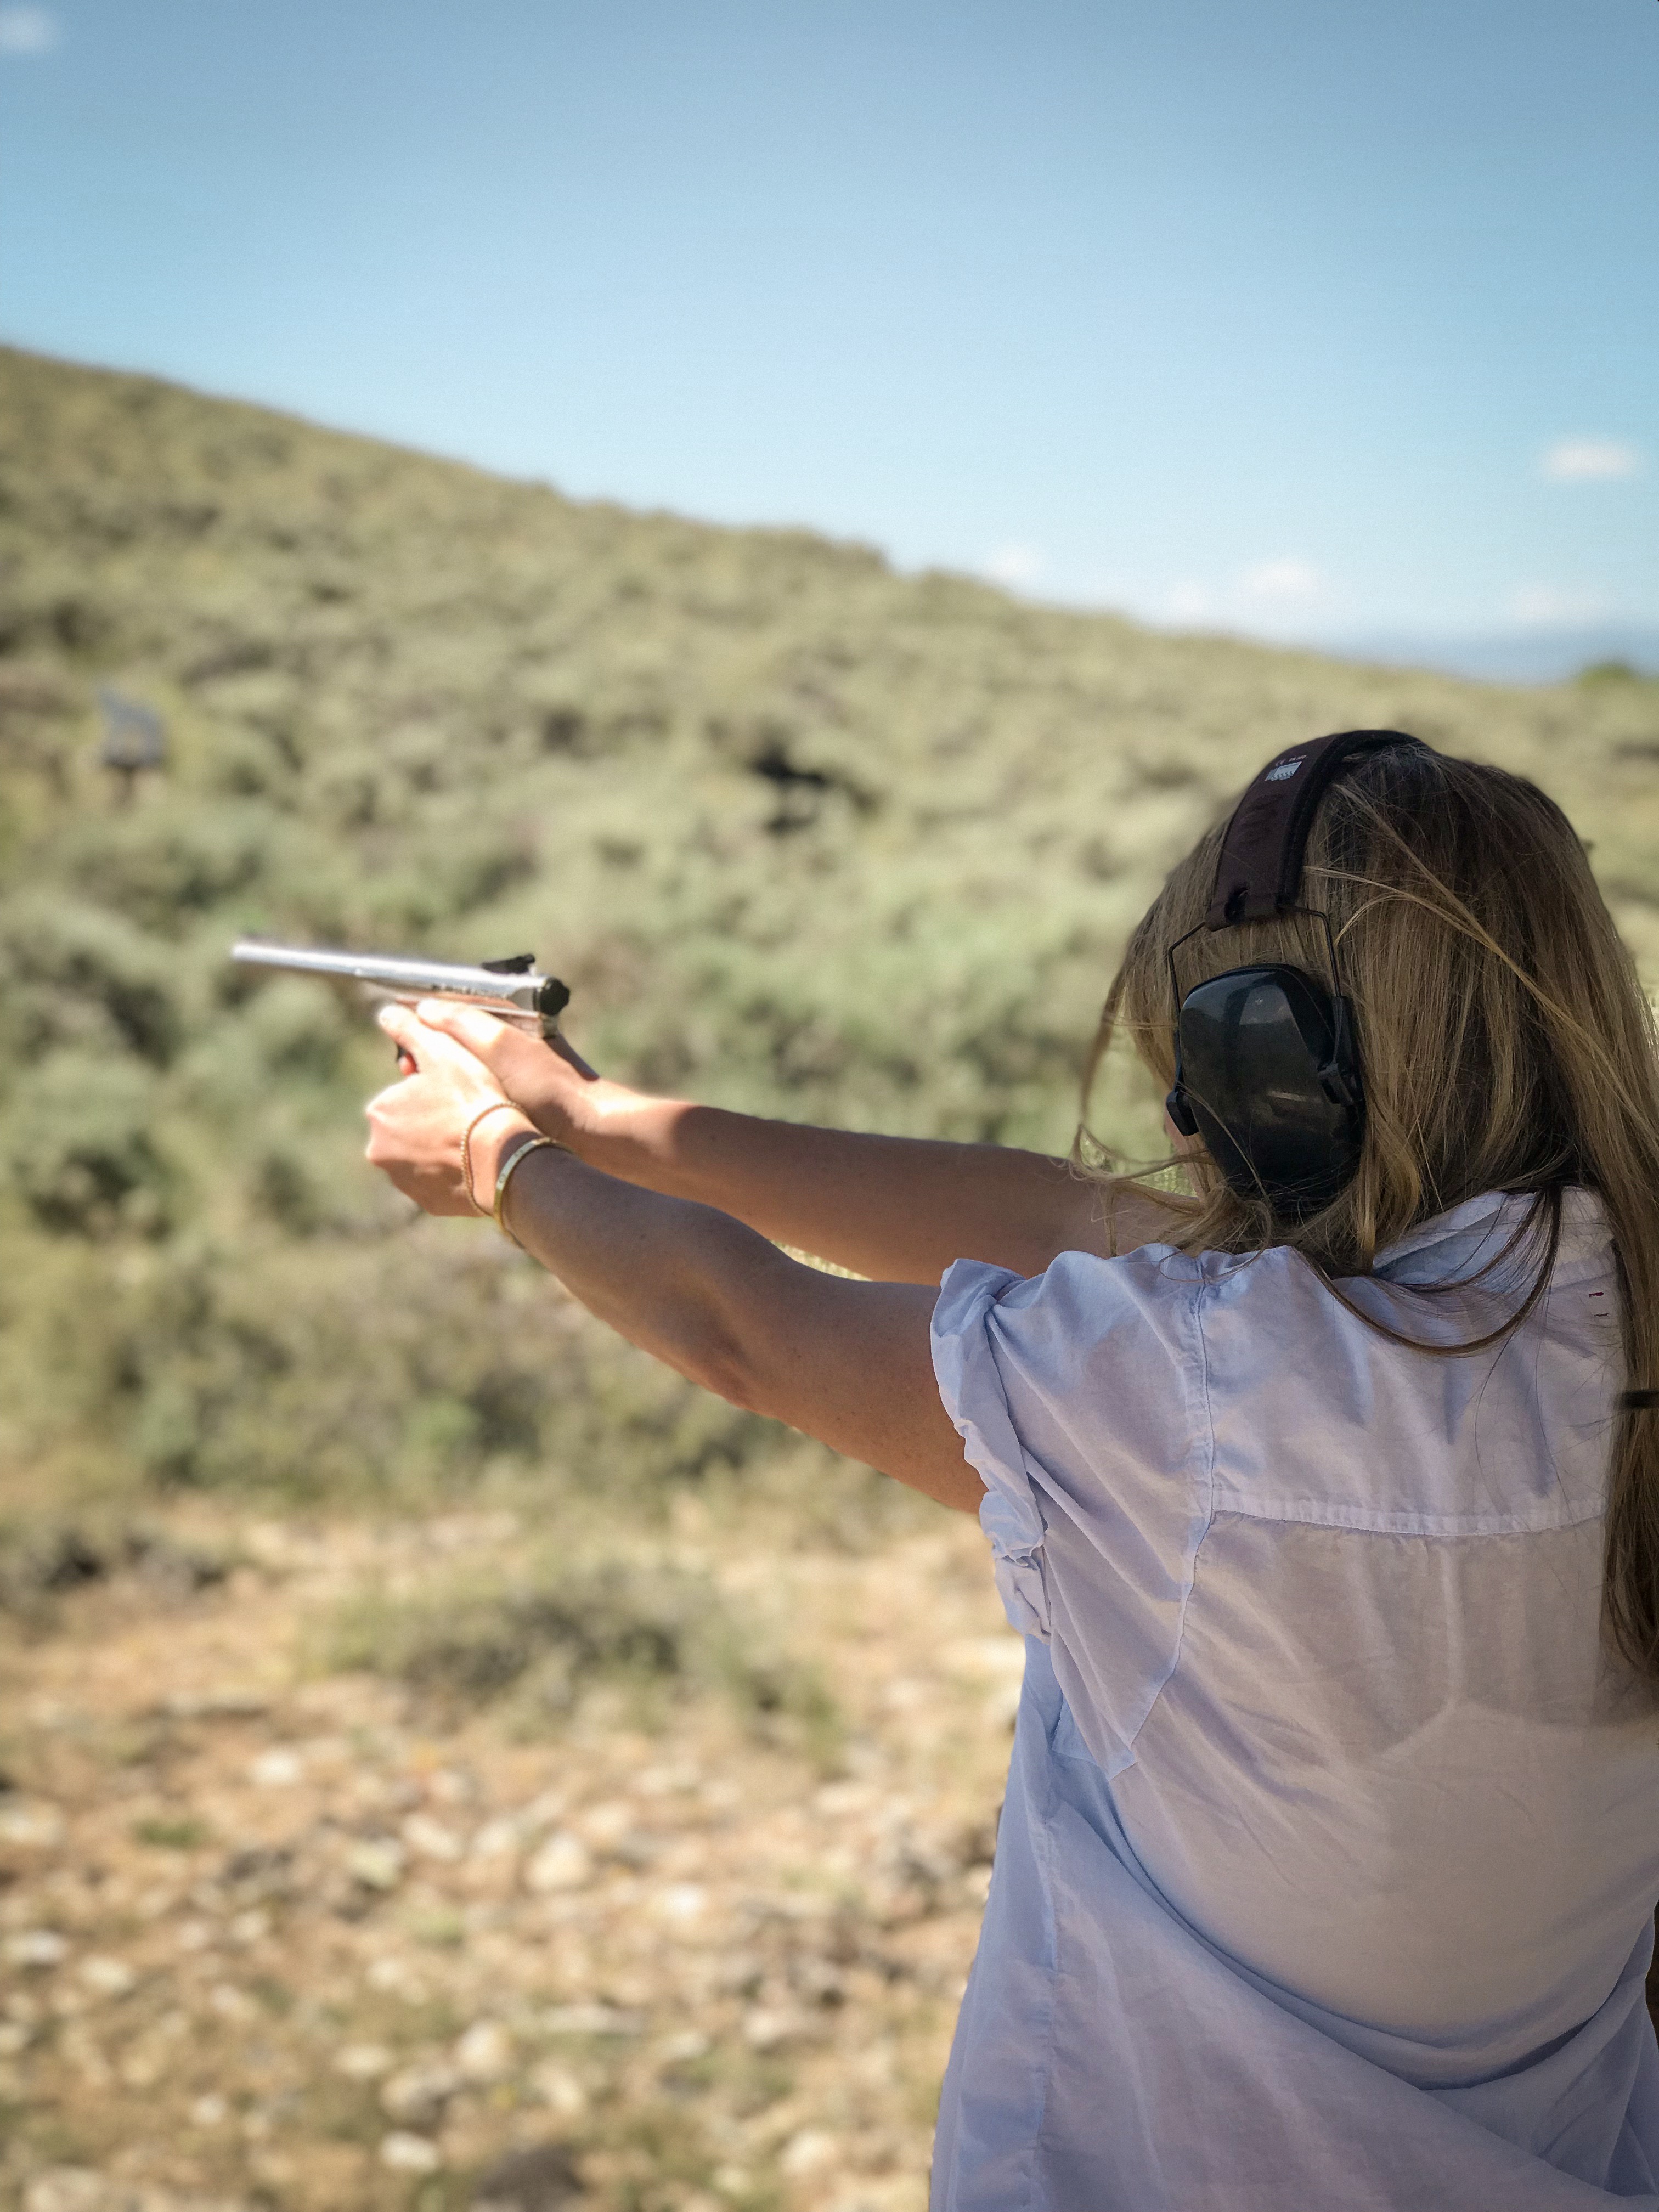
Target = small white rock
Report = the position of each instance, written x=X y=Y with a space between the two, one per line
x=407 y=2154
x=209 y=2111
x=681 y=1903
x=363 y=2062
x=542 y=1811
x=559 y=2089
x=66 y=2188
x=143 y=2065
x=419 y=2092
x=430 y=1839
x=394 y=1975
x=677 y=2049
x=107 y=1976
x=378 y=1864
x=36 y=1947
x=562 y=1863
x=994 y=1658
x=607 y=1823
x=838 y=1799
x=496 y=1839
x=277 y=1769
x=765 y=2027
x=665 y=1781
x=30 y=1824
x=809 y=2151
x=485 y=2053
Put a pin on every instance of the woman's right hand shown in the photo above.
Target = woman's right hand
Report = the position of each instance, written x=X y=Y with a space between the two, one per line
x=553 y=1085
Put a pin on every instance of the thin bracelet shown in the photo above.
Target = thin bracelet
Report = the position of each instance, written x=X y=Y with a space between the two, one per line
x=495 y=1106
x=536 y=1144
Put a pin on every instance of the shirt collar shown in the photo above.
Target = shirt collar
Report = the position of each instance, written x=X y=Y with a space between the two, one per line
x=1470 y=1238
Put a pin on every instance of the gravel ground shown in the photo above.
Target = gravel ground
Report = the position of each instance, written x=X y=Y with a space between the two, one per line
x=276 y=1936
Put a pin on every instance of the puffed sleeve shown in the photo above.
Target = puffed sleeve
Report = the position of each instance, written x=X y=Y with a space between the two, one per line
x=1080 y=1397
x=970 y=1385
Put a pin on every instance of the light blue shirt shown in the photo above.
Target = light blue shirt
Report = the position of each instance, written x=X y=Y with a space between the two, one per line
x=1326 y=1875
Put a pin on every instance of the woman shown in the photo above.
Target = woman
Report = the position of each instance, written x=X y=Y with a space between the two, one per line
x=1322 y=1496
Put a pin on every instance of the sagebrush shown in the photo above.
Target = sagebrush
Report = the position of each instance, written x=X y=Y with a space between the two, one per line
x=805 y=837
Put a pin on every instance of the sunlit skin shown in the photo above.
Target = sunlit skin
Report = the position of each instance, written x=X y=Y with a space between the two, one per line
x=660 y=1216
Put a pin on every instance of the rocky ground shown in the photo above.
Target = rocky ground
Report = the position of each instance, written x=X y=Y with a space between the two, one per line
x=276 y=1932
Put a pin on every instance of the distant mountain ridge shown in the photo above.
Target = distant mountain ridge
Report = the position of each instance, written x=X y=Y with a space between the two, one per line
x=1530 y=656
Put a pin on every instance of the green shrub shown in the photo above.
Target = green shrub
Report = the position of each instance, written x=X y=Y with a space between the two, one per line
x=82 y=1149
x=555 y=1630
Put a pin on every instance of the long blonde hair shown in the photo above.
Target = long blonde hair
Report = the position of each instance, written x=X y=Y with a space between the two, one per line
x=1506 y=1044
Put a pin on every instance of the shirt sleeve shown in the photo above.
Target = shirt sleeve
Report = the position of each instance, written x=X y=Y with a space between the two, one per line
x=1080 y=1397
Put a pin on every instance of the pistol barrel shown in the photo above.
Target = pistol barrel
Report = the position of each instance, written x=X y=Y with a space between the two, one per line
x=523 y=996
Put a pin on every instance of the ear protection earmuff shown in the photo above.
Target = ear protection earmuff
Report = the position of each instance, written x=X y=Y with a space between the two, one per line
x=1266 y=1065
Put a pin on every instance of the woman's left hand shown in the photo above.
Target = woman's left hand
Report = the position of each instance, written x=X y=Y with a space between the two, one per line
x=416 y=1125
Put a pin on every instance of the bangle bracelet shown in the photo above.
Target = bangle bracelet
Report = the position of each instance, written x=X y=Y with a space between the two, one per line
x=495 y=1106
x=535 y=1145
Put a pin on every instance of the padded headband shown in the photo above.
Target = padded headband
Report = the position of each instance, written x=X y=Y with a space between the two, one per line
x=1260 y=870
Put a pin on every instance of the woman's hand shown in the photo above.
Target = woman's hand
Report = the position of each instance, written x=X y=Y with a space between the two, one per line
x=416 y=1127
x=565 y=1098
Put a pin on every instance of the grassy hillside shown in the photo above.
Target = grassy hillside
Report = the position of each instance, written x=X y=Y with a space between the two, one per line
x=535 y=1850
x=802 y=834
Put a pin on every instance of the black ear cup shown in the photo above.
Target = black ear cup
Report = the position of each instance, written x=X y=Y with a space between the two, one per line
x=1267 y=1072
x=1270 y=1081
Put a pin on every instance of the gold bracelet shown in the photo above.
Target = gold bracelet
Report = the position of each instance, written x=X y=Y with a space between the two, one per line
x=536 y=1144
x=495 y=1106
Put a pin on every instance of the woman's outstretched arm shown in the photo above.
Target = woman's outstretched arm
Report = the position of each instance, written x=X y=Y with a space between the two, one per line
x=897 y=1209
x=847 y=1362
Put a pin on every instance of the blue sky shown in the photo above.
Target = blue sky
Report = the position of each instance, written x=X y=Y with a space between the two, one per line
x=1304 y=318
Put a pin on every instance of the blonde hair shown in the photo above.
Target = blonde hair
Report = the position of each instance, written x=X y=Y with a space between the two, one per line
x=1504 y=1043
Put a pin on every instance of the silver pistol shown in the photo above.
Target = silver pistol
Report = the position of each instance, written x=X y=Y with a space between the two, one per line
x=514 y=990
